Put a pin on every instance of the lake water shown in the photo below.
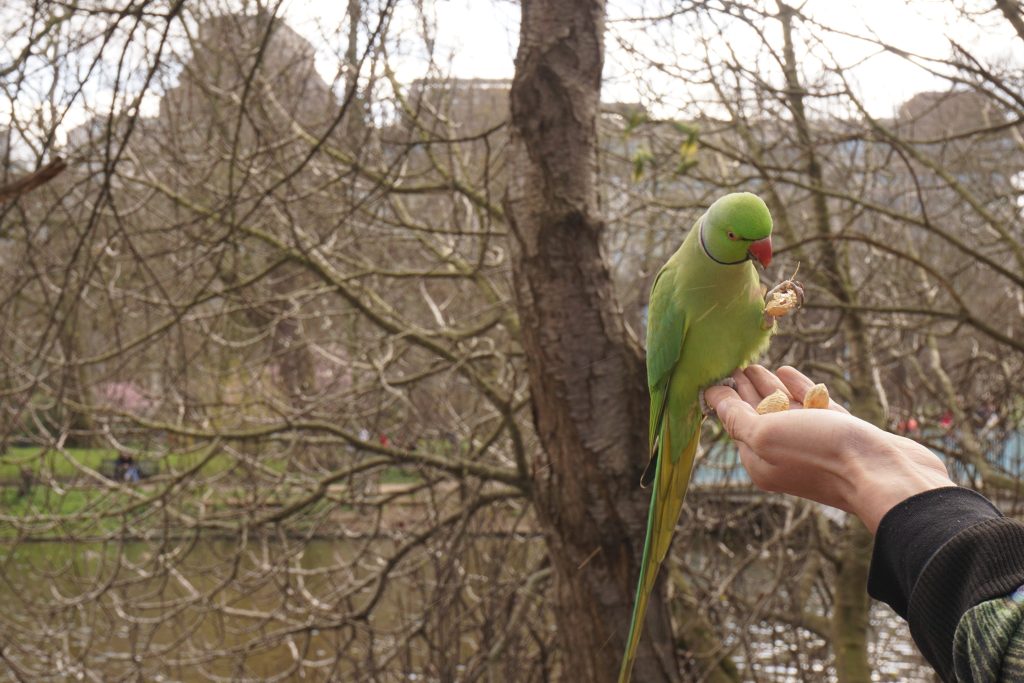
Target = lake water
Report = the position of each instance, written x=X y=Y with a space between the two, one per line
x=208 y=610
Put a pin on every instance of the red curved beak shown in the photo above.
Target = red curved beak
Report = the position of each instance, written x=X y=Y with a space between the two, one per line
x=762 y=251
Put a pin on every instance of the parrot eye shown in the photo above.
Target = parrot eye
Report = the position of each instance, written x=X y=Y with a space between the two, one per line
x=731 y=235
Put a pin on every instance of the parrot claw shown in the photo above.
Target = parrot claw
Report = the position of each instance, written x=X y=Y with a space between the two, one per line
x=705 y=409
x=798 y=289
x=781 y=299
x=786 y=286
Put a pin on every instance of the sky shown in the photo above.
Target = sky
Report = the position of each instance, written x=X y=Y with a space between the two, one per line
x=478 y=38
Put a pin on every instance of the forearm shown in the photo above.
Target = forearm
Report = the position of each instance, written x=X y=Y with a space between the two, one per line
x=902 y=469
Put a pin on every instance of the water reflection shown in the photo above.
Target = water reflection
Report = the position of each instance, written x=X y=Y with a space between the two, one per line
x=277 y=609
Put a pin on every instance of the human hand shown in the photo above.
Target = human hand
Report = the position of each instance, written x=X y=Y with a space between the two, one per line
x=828 y=455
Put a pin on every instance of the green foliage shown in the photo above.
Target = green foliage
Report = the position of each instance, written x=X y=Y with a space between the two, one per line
x=688 y=149
x=641 y=158
x=644 y=157
x=634 y=119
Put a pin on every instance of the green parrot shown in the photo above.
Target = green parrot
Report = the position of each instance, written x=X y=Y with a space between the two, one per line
x=706 y=318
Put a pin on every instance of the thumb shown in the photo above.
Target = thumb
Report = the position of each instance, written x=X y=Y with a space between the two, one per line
x=736 y=415
x=717 y=393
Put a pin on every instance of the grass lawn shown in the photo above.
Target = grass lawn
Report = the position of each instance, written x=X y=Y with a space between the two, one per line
x=45 y=501
x=58 y=464
x=399 y=475
x=65 y=465
x=46 y=512
x=73 y=493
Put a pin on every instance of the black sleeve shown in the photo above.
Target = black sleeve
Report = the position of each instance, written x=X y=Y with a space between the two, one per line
x=938 y=554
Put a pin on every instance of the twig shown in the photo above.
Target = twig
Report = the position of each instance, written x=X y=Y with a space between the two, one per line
x=33 y=180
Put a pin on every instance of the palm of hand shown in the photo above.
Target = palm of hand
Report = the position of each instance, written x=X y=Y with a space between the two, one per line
x=828 y=455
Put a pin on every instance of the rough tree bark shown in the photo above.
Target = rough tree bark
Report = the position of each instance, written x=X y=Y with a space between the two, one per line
x=586 y=371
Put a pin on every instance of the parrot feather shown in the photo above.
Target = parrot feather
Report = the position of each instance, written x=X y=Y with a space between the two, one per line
x=666 y=504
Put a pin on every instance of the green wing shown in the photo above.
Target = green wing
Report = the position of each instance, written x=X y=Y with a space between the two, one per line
x=666 y=327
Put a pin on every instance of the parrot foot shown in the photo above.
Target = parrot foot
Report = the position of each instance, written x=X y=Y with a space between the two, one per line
x=783 y=298
x=705 y=409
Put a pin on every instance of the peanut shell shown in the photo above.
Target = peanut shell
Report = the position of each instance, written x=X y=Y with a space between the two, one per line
x=775 y=402
x=816 y=397
x=780 y=303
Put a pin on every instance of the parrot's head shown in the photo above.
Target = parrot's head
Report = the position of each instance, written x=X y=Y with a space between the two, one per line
x=737 y=228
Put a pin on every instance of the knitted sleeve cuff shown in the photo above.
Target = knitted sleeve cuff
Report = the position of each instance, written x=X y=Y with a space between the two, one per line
x=939 y=553
x=912 y=531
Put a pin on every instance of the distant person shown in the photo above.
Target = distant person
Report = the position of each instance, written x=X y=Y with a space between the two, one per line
x=125 y=468
x=121 y=466
x=986 y=416
x=945 y=559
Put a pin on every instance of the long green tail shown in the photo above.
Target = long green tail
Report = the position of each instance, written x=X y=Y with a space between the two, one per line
x=671 y=479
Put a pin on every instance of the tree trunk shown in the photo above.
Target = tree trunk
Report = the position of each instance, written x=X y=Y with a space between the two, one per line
x=78 y=422
x=586 y=372
x=852 y=604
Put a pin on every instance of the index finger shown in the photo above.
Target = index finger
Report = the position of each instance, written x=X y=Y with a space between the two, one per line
x=798 y=384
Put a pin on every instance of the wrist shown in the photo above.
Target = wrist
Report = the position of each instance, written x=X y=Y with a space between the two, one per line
x=901 y=469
